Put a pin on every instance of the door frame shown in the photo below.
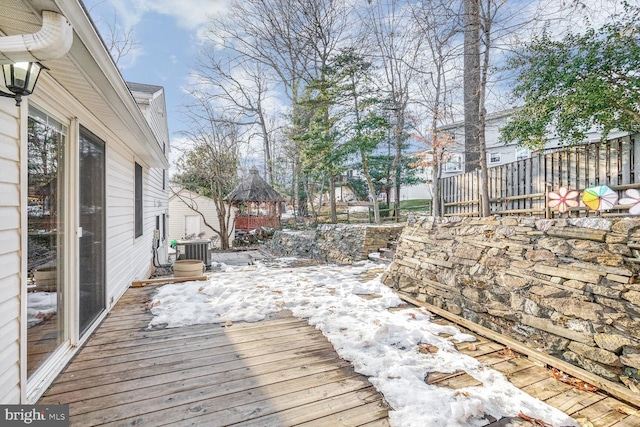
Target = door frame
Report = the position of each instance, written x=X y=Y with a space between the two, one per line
x=34 y=387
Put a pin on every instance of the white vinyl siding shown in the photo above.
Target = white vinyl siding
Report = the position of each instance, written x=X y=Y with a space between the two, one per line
x=192 y=225
x=153 y=108
x=157 y=206
x=128 y=258
x=157 y=118
x=10 y=250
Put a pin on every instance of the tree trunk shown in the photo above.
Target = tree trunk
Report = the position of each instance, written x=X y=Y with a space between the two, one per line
x=436 y=189
x=224 y=215
x=482 y=114
x=471 y=84
x=396 y=202
x=484 y=173
x=266 y=144
x=303 y=209
x=372 y=189
x=397 y=161
x=332 y=199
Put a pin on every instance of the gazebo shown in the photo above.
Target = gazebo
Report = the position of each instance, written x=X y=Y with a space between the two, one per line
x=258 y=204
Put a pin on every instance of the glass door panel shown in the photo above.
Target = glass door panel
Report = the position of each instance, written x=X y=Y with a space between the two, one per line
x=46 y=278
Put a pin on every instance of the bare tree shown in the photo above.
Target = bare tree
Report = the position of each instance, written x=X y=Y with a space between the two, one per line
x=209 y=166
x=242 y=87
x=439 y=23
x=119 y=39
x=277 y=34
x=471 y=21
x=397 y=46
x=326 y=22
x=490 y=26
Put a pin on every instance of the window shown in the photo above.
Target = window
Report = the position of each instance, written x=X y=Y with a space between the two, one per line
x=522 y=153
x=164 y=179
x=454 y=164
x=495 y=157
x=138 y=200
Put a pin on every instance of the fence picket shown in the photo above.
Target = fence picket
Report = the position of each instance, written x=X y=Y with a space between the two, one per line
x=520 y=187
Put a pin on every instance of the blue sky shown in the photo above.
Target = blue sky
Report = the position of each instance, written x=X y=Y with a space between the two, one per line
x=167 y=37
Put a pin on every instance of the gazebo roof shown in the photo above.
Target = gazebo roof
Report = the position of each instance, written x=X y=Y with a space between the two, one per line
x=254 y=189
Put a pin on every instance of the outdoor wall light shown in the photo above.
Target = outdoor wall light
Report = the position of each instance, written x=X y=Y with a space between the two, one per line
x=20 y=78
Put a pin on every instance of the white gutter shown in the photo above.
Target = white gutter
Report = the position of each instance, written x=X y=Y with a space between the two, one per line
x=52 y=41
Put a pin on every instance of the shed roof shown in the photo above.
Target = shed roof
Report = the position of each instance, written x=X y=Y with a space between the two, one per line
x=254 y=189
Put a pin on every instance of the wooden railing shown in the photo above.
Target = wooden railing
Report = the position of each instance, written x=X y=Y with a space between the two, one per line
x=248 y=223
x=520 y=188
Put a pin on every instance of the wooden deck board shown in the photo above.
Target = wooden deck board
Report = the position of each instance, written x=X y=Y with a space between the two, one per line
x=173 y=360
x=280 y=368
x=604 y=413
x=134 y=390
x=152 y=356
x=318 y=410
x=188 y=334
x=112 y=337
x=183 y=364
x=380 y=422
x=277 y=372
x=229 y=403
x=595 y=407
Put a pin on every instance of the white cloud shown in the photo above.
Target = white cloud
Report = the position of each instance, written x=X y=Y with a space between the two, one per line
x=189 y=14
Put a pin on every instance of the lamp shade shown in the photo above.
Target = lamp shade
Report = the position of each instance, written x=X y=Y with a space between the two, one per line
x=21 y=77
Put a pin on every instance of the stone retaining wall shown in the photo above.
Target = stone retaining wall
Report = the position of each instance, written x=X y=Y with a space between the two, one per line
x=335 y=243
x=569 y=287
x=289 y=243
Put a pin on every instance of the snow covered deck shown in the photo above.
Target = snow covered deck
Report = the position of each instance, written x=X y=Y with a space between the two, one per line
x=275 y=372
x=283 y=372
x=589 y=408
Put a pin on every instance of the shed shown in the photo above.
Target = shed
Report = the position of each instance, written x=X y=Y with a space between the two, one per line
x=257 y=203
x=191 y=214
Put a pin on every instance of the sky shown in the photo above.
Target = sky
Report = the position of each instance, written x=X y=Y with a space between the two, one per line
x=167 y=34
x=381 y=344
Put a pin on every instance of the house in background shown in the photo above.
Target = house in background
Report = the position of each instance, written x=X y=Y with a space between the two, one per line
x=418 y=191
x=497 y=152
x=81 y=173
x=186 y=222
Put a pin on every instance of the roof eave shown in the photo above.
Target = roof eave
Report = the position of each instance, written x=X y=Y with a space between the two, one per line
x=90 y=55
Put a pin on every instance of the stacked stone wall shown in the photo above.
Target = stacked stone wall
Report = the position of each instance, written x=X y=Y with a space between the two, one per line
x=335 y=243
x=289 y=243
x=569 y=287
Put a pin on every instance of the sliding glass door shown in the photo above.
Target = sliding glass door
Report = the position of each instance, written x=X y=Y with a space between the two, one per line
x=93 y=234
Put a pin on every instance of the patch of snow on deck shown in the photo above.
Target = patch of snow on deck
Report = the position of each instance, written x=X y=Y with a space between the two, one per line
x=380 y=344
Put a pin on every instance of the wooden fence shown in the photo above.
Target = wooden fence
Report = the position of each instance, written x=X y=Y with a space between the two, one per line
x=367 y=217
x=520 y=188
